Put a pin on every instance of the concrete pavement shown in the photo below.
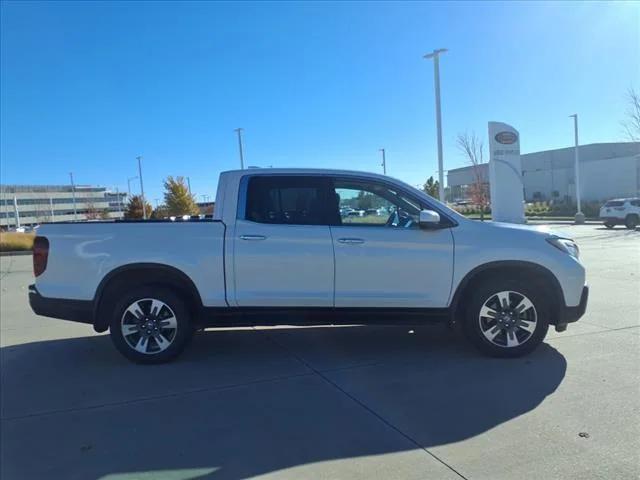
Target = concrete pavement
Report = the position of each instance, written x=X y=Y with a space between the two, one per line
x=329 y=402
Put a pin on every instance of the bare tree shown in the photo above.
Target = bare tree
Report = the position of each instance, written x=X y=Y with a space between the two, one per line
x=92 y=212
x=632 y=123
x=472 y=147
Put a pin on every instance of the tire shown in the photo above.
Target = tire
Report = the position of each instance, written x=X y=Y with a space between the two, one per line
x=157 y=322
x=513 y=334
x=631 y=222
x=609 y=224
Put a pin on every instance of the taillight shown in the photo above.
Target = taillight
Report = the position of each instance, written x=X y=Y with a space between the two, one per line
x=40 y=255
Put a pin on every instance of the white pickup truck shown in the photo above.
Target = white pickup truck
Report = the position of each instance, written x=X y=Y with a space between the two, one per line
x=281 y=250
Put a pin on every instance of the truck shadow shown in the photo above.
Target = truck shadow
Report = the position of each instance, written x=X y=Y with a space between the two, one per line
x=242 y=403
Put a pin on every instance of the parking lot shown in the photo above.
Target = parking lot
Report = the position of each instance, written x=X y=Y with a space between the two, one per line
x=330 y=402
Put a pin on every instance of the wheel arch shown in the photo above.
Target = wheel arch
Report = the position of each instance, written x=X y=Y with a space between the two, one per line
x=135 y=274
x=509 y=267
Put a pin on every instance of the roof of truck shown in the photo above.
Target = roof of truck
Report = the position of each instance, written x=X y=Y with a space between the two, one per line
x=315 y=171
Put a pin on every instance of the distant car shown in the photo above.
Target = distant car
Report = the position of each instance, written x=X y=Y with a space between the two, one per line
x=621 y=211
x=356 y=213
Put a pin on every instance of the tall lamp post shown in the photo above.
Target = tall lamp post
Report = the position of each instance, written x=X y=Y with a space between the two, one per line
x=579 y=218
x=73 y=193
x=239 y=131
x=129 y=184
x=384 y=161
x=436 y=75
x=144 y=210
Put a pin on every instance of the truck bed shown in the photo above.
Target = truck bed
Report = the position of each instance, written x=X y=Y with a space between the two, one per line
x=83 y=254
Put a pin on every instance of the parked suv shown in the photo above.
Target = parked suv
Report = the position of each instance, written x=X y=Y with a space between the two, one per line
x=621 y=211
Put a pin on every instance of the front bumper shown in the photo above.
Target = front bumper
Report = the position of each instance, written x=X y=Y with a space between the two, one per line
x=65 y=309
x=573 y=314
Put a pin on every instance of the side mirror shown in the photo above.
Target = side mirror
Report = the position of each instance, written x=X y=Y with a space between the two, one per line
x=429 y=219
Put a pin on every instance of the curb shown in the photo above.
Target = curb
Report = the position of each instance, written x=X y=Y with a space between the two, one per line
x=16 y=253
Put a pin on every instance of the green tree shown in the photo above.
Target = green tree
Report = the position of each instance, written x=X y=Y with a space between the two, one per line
x=134 y=208
x=177 y=198
x=365 y=200
x=432 y=187
x=160 y=212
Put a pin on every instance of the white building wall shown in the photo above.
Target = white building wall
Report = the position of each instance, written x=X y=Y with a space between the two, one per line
x=606 y=171
x=599 y=181
x=35 y=205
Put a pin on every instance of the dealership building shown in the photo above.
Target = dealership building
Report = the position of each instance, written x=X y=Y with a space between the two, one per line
x=607 y=170
x=25 y=205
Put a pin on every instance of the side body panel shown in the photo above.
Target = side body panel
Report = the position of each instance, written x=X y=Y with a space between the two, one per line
x=282 y=265
x=479 y=243
x=81 y=255
x=392 y=267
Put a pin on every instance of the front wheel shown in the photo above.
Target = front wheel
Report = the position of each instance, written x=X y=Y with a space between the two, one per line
x=631 y=222
x=506 y=318
x=150 y=325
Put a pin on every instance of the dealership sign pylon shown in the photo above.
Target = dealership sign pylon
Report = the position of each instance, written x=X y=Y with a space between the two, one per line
x=505 y=174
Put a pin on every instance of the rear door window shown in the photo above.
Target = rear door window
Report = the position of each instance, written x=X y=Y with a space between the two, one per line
x=288 y=200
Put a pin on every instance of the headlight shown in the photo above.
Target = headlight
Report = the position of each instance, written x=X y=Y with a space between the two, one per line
x=566 y=245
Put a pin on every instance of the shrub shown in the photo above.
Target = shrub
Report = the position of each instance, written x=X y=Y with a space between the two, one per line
x=13 y=241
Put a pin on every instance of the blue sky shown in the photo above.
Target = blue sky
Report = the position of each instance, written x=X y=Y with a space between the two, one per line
x=86 y=87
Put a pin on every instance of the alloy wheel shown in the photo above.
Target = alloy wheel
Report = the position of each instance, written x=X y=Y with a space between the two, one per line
x=508 y=319
x=149 y=326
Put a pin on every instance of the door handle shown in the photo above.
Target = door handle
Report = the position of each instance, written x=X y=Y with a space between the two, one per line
x=351 y=241
x=253 y=237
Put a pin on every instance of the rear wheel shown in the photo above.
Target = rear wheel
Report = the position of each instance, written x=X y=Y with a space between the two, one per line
x=507 y=318
x=631 y=222
x=150 y=325
x=609 y=224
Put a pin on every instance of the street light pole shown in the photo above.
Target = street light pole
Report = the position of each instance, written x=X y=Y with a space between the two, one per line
x=384 y=161
x=129 y=184
x=239 y=130
x=189 y=185
x=144 y=210
x=436 y=75
x=73 y=192
x=579 y=218
x=119 y=200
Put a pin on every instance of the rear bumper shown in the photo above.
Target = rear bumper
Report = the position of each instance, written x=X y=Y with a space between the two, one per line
x=65 y=309
x=573 y=314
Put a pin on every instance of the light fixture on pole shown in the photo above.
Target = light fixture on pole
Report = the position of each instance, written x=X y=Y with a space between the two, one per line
x=384 y=161
x=239 y=131
x=73 y=193
x=436 y=75
x=579 y=218
x=144 y=210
